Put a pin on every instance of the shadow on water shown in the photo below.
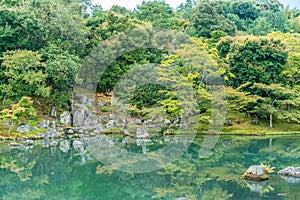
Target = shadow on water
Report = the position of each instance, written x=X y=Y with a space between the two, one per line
x=64 y=169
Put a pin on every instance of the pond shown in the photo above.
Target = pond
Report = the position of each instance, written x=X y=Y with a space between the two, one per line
x=65 y=169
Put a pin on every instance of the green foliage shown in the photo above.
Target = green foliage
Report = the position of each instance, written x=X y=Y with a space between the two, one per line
x=18 y=112
x=253 y=59
x=61 y=69
x=104 y=109
x=19 y=29
x=148 y=95
x=24 y=72
x=209 y=16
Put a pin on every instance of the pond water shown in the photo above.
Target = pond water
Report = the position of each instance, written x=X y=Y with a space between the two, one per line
x=60 y=170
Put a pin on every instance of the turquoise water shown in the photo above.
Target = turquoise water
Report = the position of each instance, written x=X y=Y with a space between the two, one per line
x=65 y=172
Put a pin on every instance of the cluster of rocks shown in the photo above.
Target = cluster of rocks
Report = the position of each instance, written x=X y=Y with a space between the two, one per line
x=259 y=172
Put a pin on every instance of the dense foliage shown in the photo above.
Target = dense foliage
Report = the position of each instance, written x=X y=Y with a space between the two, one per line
x=254 y=44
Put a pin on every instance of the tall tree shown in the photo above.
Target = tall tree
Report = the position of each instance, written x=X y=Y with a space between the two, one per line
x=209 y=16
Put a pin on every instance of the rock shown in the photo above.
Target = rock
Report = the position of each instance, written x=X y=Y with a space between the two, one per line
x=101 y=104
x=65 y=118
x=90 y=102
x=28 y=142
x=167 y=121
x=81 y=98
x=182 y=198
x=23 y=128
x=138 y=122
x=53 y=112
x=111 y=124
x=77 y=145
x=69 y=131
x=290 y=171
x=79 y=113
x=256 y=172
x=90 y=120
x=112 y=116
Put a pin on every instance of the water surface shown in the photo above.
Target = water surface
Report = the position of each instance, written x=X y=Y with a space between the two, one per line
x=66 y=171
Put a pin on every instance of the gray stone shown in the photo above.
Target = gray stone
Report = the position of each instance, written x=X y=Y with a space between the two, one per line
x=112 y=117
x=290 y=171
x=81 y=98
x=167 y=121
x=28 y=142
x=101 y=104
x=65 y=118
x=138 y=122
x=111 y=124
x=256 y=172
x=90 y=102
x=79 y=113
x=69 y=131
x=23 y=128
x=90 y=120
x=182 y=198
x=53 y=112
x=44 y=124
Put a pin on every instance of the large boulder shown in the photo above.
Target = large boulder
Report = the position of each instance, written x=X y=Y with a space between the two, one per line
x=256 y=172
x=290 y=171
x=65 y=118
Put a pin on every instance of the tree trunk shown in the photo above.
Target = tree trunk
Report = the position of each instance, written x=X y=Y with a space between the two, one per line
x=271 y=120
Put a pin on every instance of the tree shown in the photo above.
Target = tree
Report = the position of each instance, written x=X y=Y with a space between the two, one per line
x=61 y=71
x=253 y=59
x=64 y=25
x=24 y=75
x=19 y=29
x=260 y=27
x=20 y=111
x=160 y=14
x=209 y=16
x=273 y=97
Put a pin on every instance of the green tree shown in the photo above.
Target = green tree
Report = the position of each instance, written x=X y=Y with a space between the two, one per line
x=24 y=75
x=273 y=98
x=160 y=14
x=19 y=29
x=64 y=25
x=209 y=16
x=253 y=59
x=61 y=69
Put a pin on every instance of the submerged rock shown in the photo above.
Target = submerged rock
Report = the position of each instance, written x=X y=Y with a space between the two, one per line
x=256 y=172
x=290 y=171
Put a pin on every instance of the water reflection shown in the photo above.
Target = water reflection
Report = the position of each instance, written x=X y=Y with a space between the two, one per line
x=65 y=169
